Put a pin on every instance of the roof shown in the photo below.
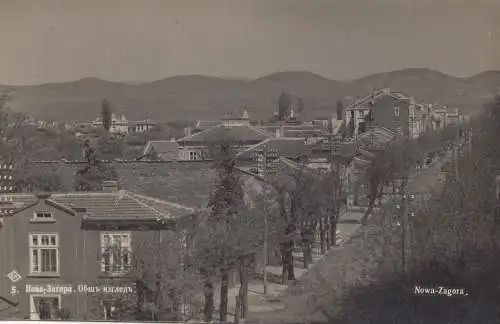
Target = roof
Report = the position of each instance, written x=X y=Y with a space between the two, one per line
x=302 y=133
x=121 y=205
x=361 y=102
x=346 y=149
x=302 y=130
x=376 y=136
x=186 y=183
x=167 y=148
x=204 y=124
x=245 y=133
x=16 y=201
x=287 y=147
x=273 y=128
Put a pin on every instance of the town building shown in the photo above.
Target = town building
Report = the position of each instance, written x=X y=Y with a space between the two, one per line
x=393 y=110
x=236 y=128
x=124 y=126
x=74 y=251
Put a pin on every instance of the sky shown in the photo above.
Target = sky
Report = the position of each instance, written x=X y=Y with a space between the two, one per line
x=145 y=40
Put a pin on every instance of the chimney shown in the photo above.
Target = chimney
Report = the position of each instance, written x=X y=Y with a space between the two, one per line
x=110 y=186
x=187 y=131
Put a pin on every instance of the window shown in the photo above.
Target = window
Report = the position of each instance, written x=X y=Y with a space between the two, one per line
x=43 y=215
x=193 y=155
x=396 y=111
x=43 y=307
x=44 y=254
x=116 y=252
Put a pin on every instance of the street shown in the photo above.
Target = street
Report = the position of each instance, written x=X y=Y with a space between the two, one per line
x=341 y=267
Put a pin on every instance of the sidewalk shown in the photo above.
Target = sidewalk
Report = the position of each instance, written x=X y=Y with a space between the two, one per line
x=258 y=303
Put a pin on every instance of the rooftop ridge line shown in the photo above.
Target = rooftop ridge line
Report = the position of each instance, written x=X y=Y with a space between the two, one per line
x=156 y=211
x=162 y=201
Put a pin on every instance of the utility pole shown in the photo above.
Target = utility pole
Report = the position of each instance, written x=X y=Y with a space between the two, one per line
x=469 y=137
x=455 y=153
x=264 y=275
x=336 y=188
x=405 y=226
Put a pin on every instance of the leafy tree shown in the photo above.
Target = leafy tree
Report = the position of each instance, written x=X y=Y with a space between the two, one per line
x=225 y=203
x=455 y=244
x=106 y=114
x=93 y=173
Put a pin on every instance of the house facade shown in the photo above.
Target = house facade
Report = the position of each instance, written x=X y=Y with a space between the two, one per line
x=124 y=126
x=385 y=108
x=74 y=252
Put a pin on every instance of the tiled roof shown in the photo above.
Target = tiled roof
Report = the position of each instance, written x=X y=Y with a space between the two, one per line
x=17 y=202
x=243 y=133
x=116 y=205
x=120 y=205
x=167 y=148
x=287 y=147
x=285 y=168
x=186 y=183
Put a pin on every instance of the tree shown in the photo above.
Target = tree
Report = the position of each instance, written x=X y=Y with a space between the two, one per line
x=94 y=172
x=165 y=277
x=106 y=114
x=300 y=105
x=225 y=203
x=229 y=233
x=394 y=161
x=455 y=244
x=340 y=110
x=284 y=105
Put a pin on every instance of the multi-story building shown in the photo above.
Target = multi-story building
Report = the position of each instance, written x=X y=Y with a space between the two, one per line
x=74 y=251
x=123 y=126
x=385 y=108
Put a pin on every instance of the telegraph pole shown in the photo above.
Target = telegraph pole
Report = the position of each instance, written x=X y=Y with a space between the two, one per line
x=405 y=226
x=455 y=153
x=264 y=277
x=469 y=137
x=336 y=188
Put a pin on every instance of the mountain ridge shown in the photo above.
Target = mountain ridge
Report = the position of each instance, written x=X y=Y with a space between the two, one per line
x=201 y=96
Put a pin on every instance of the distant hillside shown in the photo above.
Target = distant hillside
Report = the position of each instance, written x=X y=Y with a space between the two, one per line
x=199 y=96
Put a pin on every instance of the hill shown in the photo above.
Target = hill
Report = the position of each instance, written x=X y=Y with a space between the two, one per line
x=199 y=96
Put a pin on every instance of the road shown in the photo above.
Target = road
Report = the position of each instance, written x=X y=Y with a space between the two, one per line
x=341 y=267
